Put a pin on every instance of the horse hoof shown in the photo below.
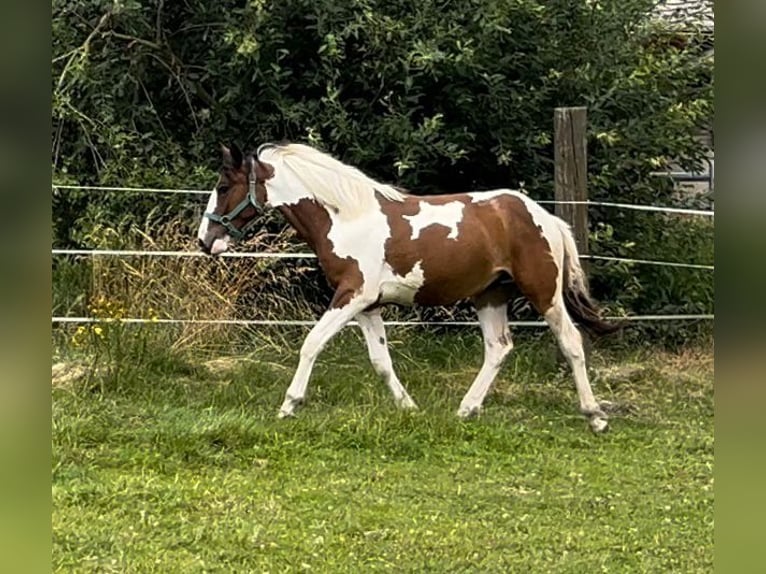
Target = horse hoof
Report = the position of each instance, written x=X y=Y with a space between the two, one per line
x=468 y=412
x=285 y=414
x=407 y=404
x=598 y=424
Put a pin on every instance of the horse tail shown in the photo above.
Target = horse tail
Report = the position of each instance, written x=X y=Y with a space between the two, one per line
x=577 y=298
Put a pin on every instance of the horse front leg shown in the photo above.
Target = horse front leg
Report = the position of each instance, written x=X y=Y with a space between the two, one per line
x=344 y=307
x=374 y=331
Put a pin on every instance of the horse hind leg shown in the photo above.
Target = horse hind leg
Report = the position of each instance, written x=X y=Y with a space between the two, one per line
x=541 y=286
x=570 y=341
x=492 y=308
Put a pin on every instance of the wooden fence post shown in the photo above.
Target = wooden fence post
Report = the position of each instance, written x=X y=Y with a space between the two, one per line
x=571 y=171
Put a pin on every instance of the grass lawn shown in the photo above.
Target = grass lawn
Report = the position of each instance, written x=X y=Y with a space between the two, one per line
x=182 y=466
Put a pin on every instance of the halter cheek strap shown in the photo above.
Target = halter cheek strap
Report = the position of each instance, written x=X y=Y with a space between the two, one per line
x=250 y=200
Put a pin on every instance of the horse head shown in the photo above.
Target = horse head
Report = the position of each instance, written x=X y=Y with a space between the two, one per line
x=238 y=198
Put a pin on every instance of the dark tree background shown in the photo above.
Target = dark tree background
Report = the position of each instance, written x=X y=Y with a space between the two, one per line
x=431 y=94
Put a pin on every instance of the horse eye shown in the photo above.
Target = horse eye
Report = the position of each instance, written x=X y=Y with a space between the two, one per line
x=223 y=189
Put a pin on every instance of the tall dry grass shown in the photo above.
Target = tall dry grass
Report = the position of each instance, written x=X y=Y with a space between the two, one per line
x=193 y=288
x=220 y=289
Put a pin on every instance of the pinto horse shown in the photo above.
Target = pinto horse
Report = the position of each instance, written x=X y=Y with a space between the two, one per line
x=379 y=245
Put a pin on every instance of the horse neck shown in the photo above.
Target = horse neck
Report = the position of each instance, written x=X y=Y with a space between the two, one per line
x=312 y=222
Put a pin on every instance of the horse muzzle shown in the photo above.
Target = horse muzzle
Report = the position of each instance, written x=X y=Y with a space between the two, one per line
x=216 y=247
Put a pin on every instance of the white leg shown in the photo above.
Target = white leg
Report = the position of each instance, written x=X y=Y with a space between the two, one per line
x=374 y=333
x=497 y=344
x=570 y=342
x=327 y=326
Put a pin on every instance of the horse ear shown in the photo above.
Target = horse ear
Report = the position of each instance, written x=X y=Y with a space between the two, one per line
x=225 y=155
x=232 y=157
x=236 y=156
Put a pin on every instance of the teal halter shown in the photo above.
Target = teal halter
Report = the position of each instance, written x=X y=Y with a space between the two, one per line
x=250 y=200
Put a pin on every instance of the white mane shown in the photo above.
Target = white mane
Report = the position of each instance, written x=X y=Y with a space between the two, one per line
x=329 y=181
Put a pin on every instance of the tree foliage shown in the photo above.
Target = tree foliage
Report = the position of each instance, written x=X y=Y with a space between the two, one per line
x=434 y=95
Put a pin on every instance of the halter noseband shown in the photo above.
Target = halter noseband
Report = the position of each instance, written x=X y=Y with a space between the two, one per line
x=250 y=200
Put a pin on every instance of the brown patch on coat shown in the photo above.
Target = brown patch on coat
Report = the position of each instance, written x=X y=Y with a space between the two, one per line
x=312 y=222
x=495 y=236
x=533 y=268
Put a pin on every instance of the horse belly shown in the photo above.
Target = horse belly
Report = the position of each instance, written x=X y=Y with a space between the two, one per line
x=448 y=288
x=399 y=289
x=454 y=274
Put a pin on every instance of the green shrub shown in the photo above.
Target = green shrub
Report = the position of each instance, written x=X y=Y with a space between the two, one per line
x=435 y=96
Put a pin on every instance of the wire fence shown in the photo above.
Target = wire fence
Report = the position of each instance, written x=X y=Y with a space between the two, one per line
x=309 y=255
x=283 y=255
x=638 y=207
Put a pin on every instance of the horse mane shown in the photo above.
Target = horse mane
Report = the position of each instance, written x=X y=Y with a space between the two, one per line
x=330 y=181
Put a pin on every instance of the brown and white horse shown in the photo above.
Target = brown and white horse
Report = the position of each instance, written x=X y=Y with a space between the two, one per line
x=377 y=244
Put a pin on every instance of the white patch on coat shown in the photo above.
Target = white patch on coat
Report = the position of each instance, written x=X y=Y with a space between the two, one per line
x=217 y=245
x=202 y=231
x=364 y=240
x=397 y=289
x=479 y=196
x=448 y=215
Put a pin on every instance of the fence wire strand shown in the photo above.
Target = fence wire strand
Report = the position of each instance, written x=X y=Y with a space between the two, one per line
x=634 y=206
x=303 y=255
x=282 y=255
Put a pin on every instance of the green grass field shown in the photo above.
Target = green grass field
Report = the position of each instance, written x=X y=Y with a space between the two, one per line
x=182 y=466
